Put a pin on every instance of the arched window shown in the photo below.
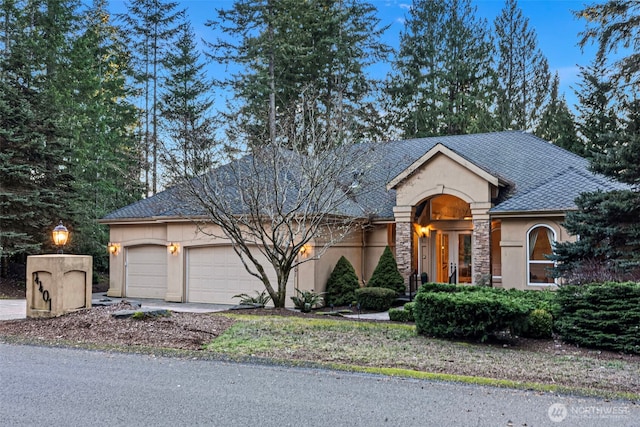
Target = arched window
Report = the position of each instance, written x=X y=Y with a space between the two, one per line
x=540 y=240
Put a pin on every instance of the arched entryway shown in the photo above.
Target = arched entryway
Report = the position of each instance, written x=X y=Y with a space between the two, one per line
x=444 y=239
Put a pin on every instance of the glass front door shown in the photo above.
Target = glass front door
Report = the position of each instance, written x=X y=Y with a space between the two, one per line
x=453 y=257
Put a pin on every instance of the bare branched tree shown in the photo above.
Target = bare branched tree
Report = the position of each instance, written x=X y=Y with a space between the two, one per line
x=277 y=198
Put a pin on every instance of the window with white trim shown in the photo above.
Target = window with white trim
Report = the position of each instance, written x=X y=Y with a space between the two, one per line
x=540 y=239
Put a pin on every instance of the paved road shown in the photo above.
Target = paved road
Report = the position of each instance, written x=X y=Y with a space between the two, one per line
x=70 y=387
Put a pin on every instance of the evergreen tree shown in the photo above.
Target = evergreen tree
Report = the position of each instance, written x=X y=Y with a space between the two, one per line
x=608 y=223
x=523 y=71
x=557 y=123
x=597 y=117
x=386 y=274
x=609 y=244
x=104 y=159
x=442 y=80
x=185 y=108
x=614 y=25
x=302 y=69
x=34 y=145
x=151 y=27
x=342 y=284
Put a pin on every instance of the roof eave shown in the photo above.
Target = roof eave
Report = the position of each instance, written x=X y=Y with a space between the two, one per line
x=529 y=213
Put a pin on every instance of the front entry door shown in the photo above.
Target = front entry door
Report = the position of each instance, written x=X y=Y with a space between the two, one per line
x=453 y=257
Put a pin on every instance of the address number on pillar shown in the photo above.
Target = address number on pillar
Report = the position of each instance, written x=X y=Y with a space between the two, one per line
x=45 y=293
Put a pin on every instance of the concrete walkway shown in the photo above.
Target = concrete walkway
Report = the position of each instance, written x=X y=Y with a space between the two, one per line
x=13 y=309
x=17 y=308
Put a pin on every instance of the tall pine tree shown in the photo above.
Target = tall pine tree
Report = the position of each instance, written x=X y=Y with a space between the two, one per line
x=523 y=71
x=302 y=68
x=597 y=117
x=34 y=142
x=557 y=124
x=151 y=27
x=442 y=80
x=186 y=112
x=104 y=160
x=608 y=223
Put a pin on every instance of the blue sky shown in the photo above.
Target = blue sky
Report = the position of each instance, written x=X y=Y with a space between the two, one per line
x=556 y=27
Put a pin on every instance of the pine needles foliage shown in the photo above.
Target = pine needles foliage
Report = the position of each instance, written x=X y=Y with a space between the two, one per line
x=386 y=274
x=342 y=284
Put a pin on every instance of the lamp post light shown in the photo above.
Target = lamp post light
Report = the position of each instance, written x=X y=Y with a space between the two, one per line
x=60 y=236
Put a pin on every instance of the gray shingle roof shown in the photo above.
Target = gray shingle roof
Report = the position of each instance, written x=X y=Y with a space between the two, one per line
x=541 y=176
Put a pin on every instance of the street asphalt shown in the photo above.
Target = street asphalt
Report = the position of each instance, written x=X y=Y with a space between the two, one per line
x=73 y=387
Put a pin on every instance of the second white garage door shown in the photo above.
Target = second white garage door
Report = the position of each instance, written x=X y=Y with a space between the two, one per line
x=215 y=274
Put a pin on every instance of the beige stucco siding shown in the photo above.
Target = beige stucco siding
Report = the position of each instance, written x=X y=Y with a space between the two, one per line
x=513 y=247
x=442 y=175
x=350 y=248
x=376 y=240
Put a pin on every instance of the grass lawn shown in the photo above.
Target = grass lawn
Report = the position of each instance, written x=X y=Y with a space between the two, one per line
x=396 y=349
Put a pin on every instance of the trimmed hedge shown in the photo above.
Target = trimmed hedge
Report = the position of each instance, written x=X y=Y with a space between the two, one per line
x=468 y=315
x=404 y=314
x=539 y=324
x=378 y=299
x=603 y=315
x=342 y=284
x=454 y=311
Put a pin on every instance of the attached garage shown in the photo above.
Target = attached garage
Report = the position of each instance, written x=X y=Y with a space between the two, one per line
x=146 y=271
x=215 y=274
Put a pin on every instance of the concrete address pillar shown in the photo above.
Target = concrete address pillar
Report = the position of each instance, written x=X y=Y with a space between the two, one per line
x=481 y=251
x=58 y=284
x=404 y=240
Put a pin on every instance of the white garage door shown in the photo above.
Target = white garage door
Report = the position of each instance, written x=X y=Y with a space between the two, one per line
x=215 y=274
x=146 y=271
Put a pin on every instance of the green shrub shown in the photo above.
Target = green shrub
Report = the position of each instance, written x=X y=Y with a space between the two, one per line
x=404 y=314
x=378 y=299
x=259 y=300
x=603 y=315
x=539 y=324
x=386 y=274
x=342 y=284
x=410 y=306
x=439 y=287
x=305 y=301
x=399 y=315
x=468 y=313
x=512 y=308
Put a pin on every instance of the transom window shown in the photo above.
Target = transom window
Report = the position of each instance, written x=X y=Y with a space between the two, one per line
x=540 y=240
x=446 y=207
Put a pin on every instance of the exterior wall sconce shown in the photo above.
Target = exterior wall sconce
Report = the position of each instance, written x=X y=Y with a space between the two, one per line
x=424 y=231
x=113 y=248
x=173 y=248
x=304 y=250
x=60 y=236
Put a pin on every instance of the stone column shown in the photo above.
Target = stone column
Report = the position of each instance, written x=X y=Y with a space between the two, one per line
x=404 y=240
x=481 y=250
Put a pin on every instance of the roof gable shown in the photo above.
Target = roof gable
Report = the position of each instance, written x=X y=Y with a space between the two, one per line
x=439 y=148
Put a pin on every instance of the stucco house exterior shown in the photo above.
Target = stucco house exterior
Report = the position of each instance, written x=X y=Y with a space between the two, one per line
x=472 y=209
